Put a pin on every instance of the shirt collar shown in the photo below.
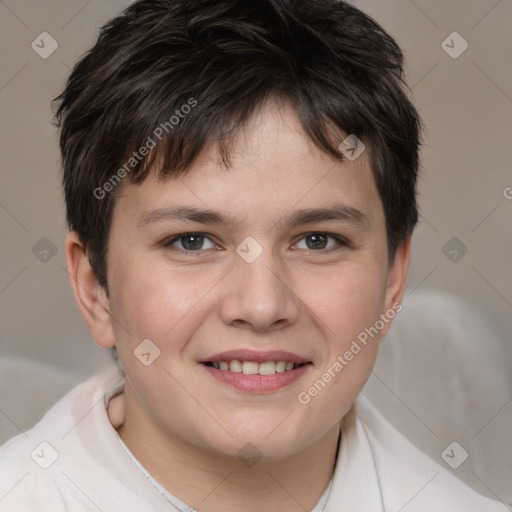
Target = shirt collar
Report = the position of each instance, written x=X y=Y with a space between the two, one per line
x=355 y=484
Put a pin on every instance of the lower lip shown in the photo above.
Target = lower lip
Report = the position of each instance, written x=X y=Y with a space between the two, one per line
x=258 y=383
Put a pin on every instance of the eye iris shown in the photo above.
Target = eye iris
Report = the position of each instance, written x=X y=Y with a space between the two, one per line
x=191 y=242
x=319 y=241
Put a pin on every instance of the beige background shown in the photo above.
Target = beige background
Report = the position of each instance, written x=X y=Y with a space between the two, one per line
x=466 y=104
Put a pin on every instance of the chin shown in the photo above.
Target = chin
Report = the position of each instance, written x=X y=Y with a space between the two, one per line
x=268 y=443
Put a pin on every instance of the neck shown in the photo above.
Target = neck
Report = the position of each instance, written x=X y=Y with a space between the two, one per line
x=211 y=482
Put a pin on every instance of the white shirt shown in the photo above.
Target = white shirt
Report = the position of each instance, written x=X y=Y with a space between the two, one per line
x=74 y=459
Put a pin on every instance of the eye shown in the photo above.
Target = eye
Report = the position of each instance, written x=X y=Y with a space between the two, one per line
x=191 y=242
x=316 y=241
x=319 y=241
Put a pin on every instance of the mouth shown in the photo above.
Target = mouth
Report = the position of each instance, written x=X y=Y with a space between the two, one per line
x=257 y=372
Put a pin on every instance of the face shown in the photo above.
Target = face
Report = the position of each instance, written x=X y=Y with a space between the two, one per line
x=231 y=275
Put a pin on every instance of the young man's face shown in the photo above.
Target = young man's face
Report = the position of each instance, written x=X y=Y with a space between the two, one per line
x=259 y=289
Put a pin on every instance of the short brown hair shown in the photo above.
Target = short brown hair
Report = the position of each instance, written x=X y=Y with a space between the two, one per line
x=334 y=64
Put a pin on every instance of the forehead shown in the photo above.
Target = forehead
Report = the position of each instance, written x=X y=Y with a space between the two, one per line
x=275 y=169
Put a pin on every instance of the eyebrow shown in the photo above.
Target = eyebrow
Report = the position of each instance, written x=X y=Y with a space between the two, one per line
x=339 y=212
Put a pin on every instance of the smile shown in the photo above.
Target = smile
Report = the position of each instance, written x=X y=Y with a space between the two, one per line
x=253 y=377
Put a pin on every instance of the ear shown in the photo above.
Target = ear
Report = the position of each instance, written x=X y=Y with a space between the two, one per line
x=90 y=296
x=397 y=277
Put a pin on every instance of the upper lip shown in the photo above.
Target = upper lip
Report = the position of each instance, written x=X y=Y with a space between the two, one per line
x=257 y=356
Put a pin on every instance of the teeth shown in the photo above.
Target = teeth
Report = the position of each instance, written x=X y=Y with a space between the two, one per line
x=267 y=368
x=280 y=366
x=253 y=368
x=250 y=368
x=236 y=366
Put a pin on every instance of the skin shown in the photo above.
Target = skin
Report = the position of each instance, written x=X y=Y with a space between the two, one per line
x=182 y=424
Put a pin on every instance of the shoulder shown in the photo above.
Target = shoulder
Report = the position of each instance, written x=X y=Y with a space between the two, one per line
x=409 y=478
x=33 y=464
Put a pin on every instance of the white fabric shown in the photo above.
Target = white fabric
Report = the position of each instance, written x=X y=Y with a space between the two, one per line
x=377 y=469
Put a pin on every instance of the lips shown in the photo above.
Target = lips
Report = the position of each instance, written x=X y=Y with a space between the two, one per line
x=256 y=371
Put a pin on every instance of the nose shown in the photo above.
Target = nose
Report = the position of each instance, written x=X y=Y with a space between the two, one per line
x=258 y=296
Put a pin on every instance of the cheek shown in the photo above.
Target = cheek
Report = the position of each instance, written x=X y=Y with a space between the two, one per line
x=348 y=302
x=346 y=312
x=150 y=302
x=154 y=301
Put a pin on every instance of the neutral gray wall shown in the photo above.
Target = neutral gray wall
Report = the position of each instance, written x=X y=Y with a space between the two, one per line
x=466 y=104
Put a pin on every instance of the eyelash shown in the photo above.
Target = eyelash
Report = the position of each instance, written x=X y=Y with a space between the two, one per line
x=341 y=241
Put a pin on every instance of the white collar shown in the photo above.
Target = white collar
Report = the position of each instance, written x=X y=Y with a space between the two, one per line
x=356 y=485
